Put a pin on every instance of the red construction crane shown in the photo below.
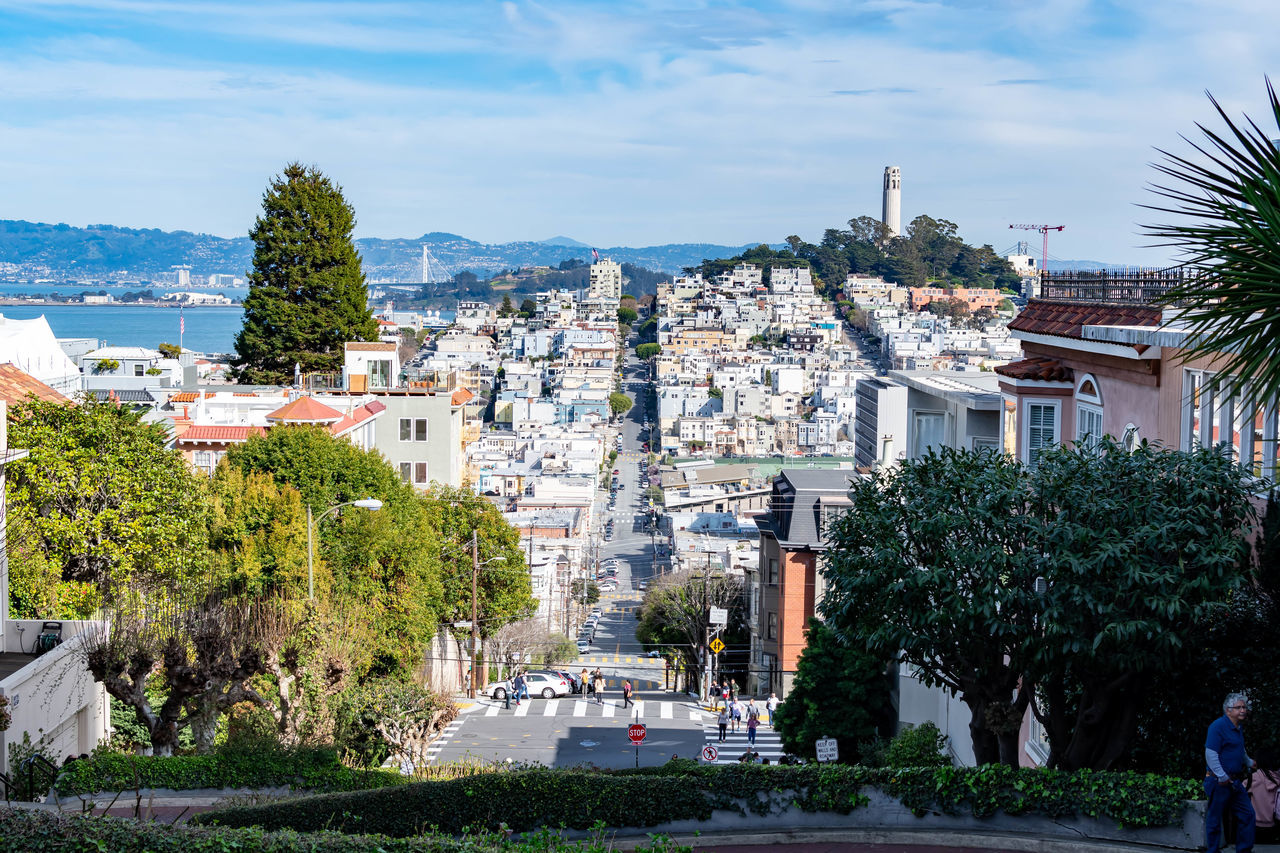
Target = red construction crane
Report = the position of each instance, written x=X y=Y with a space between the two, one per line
x=1043 y=229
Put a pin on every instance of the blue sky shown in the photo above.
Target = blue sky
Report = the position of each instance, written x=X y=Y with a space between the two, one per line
x=621 y=123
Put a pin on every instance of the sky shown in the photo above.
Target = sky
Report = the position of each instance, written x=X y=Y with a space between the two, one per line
x=623 y=123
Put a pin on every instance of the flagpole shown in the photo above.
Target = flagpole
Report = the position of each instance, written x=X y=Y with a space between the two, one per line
x=182 y=327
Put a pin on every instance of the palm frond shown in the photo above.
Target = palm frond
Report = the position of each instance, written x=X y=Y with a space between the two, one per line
x=1226 y=229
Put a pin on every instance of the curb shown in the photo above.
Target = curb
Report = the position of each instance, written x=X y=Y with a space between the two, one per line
x=844 y=838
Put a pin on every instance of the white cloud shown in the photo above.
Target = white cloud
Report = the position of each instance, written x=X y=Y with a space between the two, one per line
x=631 y=126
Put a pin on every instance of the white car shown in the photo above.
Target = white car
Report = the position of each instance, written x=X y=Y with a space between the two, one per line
x=537 y=683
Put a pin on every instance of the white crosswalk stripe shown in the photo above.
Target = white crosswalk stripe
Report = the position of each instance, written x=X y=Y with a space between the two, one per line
x=768 y=743
x=443 y=740
x=566 y=707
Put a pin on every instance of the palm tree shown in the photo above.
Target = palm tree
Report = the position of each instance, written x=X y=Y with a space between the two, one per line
x=1227 y=232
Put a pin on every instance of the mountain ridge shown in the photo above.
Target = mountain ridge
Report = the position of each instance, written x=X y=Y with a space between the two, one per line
x=38 y=248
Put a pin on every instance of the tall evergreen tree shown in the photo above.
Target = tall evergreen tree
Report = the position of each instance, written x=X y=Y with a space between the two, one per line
x=306 y=292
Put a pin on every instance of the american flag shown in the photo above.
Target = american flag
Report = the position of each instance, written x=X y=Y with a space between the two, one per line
x=595 y=255
x=182 y=322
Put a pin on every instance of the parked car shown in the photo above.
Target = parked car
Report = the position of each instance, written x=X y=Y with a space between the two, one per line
x=546 y=685
x=575 y=681
x=583 y=646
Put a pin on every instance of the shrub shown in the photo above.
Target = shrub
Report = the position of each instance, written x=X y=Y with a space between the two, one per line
x=682 y=790
x=24 y=831
x=309 y=769
x=919 y=746
x=389 y=718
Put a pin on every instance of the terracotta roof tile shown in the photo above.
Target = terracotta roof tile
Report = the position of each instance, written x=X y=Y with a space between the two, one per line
x=305 y=410
x=1038 y=368
x=1066 y=319
x=184 y=397
x=461 y=397
x=209 y=434
x=16 y=384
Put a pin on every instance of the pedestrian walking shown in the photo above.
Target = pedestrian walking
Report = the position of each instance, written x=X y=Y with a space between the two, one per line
x=584 y=682
x=506 y=694
x=626 y=694
x=518 y=684
x=735 y=713
x=723 y=722
x=597 y=679
x=752 y=710
x=1227 y=766
x=752 y=723
x=772 y=705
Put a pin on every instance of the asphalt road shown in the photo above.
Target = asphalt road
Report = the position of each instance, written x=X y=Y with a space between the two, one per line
x=572 y=731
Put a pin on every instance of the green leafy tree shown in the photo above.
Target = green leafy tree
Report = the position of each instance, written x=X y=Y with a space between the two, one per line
x=170 y=350
x=307 y=295
x=840 y=691
x=627 y=316
x=1136 y=548
x=644 y=352
x=676 y=610
x=258 y=536
x=389 y=560
x=1226 y=210
x=99 y=502
x=504 y=591
x=933 y=562
x=620 y=403
x=585 y=591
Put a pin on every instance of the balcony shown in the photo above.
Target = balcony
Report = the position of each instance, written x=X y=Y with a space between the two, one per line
x=1131 y=286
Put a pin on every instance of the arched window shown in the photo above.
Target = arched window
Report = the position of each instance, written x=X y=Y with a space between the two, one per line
x=1088 y=411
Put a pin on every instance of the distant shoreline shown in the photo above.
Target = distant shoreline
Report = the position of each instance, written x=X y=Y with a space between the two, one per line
x=49 y=303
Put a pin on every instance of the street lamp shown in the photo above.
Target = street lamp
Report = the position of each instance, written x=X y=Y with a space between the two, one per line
x=371 y=504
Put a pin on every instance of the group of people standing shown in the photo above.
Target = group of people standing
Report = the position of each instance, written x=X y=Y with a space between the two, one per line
x=593 y=685
x=734 y=712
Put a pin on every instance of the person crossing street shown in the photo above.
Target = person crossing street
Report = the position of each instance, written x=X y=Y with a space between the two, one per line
x=627 y=701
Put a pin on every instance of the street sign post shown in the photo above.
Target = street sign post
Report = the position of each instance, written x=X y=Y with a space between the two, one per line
x=718 y=616
x=827 y=749
x=710 y=753
x=636 y=731
x=717 y=645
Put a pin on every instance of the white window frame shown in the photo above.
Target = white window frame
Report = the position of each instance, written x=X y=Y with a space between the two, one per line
x=1088 y=438
x=917 y=415
x=1231 y=417
x=413 y=424
x=1056 y=406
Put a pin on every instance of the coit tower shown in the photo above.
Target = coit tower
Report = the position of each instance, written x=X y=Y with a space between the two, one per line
x=891 y=212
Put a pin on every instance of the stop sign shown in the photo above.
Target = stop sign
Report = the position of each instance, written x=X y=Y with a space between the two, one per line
x=637 y=731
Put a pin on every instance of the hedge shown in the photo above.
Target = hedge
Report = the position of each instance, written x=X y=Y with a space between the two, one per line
x=24 y=831
x=578 y=799
x=303 y=769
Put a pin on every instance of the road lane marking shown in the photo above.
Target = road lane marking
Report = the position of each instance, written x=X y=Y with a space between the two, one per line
x=666 y=711
x=550 y=709
x=522 y=710
x=608 y=708
x=580 y=708
x=492 y=711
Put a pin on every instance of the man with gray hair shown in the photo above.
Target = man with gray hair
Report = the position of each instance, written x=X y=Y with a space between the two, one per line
x=1227 y=766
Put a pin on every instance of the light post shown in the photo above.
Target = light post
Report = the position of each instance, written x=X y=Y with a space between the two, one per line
x=371 y=504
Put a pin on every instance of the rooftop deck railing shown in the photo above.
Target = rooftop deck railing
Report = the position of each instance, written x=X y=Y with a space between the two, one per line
x=1133 y=285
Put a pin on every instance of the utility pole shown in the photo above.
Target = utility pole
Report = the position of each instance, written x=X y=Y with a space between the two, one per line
x=475 y=625
x=706 y=608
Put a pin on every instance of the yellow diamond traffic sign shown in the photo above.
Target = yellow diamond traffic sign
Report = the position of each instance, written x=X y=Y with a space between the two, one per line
x=717 y=645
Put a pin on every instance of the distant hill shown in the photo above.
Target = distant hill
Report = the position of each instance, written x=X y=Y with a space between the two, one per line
x=564 y=241
x=38 y=249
